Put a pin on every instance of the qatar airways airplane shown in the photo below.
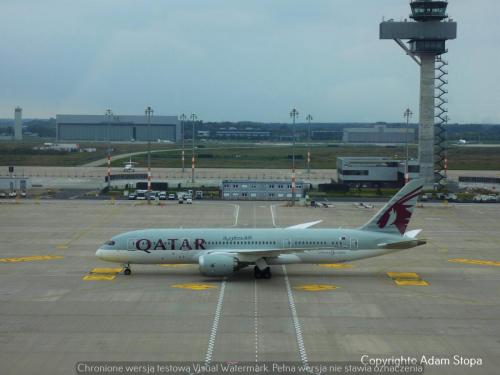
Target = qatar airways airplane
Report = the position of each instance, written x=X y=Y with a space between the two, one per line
x=221 y=252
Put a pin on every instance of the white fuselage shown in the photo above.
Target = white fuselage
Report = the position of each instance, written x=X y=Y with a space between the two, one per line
x=158 y=246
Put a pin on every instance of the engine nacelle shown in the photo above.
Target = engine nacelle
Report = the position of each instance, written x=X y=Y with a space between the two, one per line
x=217 y=265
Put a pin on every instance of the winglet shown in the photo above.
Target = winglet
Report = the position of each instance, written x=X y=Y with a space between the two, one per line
x=304 y=225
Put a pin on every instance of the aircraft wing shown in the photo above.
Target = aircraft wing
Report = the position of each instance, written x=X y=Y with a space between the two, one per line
x=261 y=253
x=304 y=225
x=407 y=244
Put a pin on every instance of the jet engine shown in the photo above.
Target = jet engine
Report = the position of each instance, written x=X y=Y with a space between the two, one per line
x=218 y=265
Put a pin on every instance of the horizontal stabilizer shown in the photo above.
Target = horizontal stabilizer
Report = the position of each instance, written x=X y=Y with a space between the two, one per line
x=400 y=245
x=413 y=233
x=304 y=225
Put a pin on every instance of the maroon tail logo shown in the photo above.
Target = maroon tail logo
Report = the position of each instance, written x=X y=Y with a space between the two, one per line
x=399 y=213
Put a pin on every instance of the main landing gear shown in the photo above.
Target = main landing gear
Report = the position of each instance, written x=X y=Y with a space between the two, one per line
x=262 y=274
x=127 y=271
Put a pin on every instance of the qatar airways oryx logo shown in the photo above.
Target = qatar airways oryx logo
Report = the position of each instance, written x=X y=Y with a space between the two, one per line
x=147 y=245
x=399 y=213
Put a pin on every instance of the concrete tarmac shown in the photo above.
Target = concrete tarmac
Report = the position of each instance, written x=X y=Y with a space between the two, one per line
x=51 y=317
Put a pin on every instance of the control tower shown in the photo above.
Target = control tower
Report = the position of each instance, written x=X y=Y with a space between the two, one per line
x=427 y=33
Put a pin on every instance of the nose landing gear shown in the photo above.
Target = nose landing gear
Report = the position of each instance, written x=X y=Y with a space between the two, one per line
x=127 y=271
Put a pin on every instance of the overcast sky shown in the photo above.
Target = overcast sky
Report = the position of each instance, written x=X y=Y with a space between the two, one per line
x=236 y=60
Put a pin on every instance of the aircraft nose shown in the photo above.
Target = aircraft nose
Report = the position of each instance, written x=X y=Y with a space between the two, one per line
x=99 y=253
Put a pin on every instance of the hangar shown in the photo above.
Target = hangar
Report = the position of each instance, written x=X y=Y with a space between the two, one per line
x=117 y=128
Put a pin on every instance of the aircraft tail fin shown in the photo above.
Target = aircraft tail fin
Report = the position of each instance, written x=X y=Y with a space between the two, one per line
x=395 y=216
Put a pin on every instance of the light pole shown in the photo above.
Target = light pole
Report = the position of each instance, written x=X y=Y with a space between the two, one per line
x=309 y=118
x=407 y=114
x=183 y=120
x=293 y=114
x=193 y=119
x=149 y=112
x=108 y=114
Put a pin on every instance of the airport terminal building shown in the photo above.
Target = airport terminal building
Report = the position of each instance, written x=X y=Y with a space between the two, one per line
x=117 y=128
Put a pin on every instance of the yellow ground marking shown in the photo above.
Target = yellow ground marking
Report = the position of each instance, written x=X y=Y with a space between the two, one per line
x=98 y=274
x=475 y=261
x=410 y=282
x=403 y=275
x=407 y=279
x=84 y=231
x=336 y=265
x=193 y=286
x=107 y=270
x=173 y=265
x=98 y=277
x=30 y=258
x=316 y=287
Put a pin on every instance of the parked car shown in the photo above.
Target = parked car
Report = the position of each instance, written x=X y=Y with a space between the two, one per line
x=189 y=201
x=171 y=197
x=12 y=194
x=132 y=196
x=3 y=195
x=199 y=194
x=162 y=196
x=23 y=194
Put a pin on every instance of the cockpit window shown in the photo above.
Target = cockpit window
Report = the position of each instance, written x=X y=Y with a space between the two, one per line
x=110 y=243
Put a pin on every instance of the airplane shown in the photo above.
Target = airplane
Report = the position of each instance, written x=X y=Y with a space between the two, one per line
x=221 y=252
x=462 y=142
x=129 y=166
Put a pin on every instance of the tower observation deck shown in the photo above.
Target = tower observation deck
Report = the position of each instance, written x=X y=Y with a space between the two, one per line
x=426 y=33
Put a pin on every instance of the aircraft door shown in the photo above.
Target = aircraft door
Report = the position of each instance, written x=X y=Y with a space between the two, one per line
x=131 y=244
x=354 y=243
x=287 y=244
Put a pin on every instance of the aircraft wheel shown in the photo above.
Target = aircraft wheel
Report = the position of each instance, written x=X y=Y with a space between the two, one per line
x=267 y=273
x=257 y=273
x=127 y=271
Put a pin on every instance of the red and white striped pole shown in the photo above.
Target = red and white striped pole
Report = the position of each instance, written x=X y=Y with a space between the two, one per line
x=192 y=169
x=149 y=179
x=109 y=170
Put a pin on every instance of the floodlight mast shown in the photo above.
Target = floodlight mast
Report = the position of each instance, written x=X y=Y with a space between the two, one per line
x=293 y=114
x=427 y=37
x=149 y=112
x=109 y=114
x=309 y=118
x=193 y=119
x=183 y=119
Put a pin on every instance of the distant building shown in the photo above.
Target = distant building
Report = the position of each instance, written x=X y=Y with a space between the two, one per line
x=120 y=128
x=260 y=190
x=14 y=183
x=378 y=134
x=66 y=147
x=242 y=134
x=326 y=134
x=478 y=182
x=374 y=171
